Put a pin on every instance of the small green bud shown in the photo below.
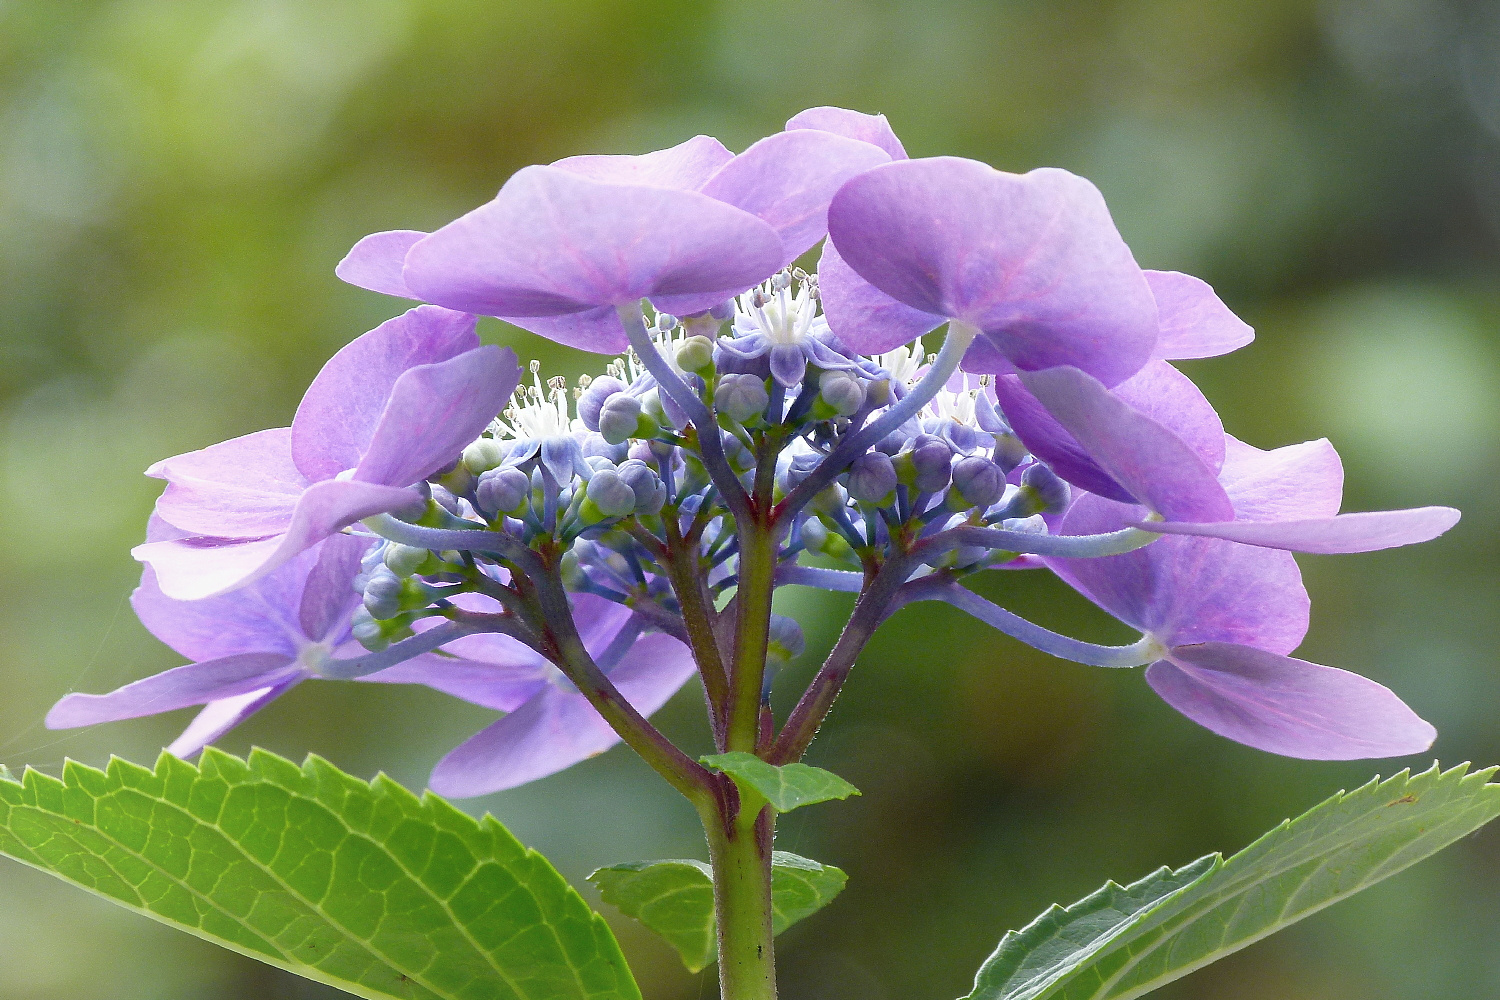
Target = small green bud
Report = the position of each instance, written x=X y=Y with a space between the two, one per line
x=696 y=354
x=484 y=455
x=403 y=560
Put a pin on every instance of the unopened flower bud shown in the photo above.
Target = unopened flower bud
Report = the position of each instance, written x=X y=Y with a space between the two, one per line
x=695 y=354
x=619 y=418
x=484 y=455
x=383 y=595
x=367 y=631
x=741 y=397
x=650 y=492
x=592 y=399
x=446 y=500
x=931 y=463
x=666 y=321
x=1049 y=494
x=403 y=560
x=724 y=310
x=1009 y=451
x=843 y=393
x=610 y=494
x=502 y=491
x=814 y=536
x=872 y=478
x=977 y=482
x=785 y=641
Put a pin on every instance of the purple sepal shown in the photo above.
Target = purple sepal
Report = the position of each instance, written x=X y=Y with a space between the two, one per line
x=1368 y=531
x=873 y=129
x=193 y=684
x=788 y=179
x=861 y=315
x=555 y=244
x=1194 y=322
x=1034 y=261
x=1153 y=464
x=1287 y=706
x=557 y=728
x=375 y=262
x=683 y=167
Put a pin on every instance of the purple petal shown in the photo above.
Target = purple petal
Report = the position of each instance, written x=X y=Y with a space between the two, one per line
x=503 y=687
x=434 y=412
x=375 y=262
x=245 y=487
x=341 y=409
x=1189 y=590
x=685 y=166
x=193 y=684
x=861 y=315
x=1153 y=464
x=596 y=330
x=1033 y=260
x=553 y=242
x=984 y=358
x=222 y=715
x=260 y=618
x=1194 y=323
x=1346 y=533
x=1294 y=483
x=788 y=364
x=873 y=129
x=329 y=598
x=193 y=568
x=1287 y=706
x=557 y=728
x=598 y=619
x=788 y=179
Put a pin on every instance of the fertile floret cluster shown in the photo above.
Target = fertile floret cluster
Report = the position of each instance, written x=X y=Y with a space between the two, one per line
x=571 y=557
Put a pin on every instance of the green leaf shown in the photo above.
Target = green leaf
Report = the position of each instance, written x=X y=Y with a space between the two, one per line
x=785 y=787
x=676 y=898
x=358 y=885
x=1121 y=943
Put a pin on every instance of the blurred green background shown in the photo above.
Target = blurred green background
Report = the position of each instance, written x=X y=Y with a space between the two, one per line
x=177 y=181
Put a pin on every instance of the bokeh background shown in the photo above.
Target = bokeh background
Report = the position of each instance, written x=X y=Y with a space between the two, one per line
x=177 y=181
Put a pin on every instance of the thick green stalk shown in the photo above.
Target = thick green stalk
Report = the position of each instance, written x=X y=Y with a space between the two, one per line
x=740 y=852
x=752 y=633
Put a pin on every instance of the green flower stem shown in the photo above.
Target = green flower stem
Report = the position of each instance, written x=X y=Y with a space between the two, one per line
x=740 y=853
x=752 y=632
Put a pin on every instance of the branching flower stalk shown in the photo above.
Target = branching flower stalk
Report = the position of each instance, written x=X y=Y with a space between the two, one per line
x=572 y=557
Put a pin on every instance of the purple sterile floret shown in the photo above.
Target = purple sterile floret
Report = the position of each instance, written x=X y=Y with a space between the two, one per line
x=396 y=405
x=1224 y=617
x=874 y=129
x=1031 y=260
x=248 y=647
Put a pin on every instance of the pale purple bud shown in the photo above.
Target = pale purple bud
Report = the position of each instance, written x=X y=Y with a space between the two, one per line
x=619 y=418
x=932 y=463
x=447 y=500
x=785 y=641
x=977 y=482
x=612 y=495
x=502 y=491
x=382 y=598
x=592 y=399
x=872 y=478
x=741 y=397
x=650 y=493
x=841 y=391
x=1049 y=494
x=814 y=536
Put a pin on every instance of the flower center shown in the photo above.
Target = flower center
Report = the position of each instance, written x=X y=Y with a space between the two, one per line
x=536 y=412
x=783 y=309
